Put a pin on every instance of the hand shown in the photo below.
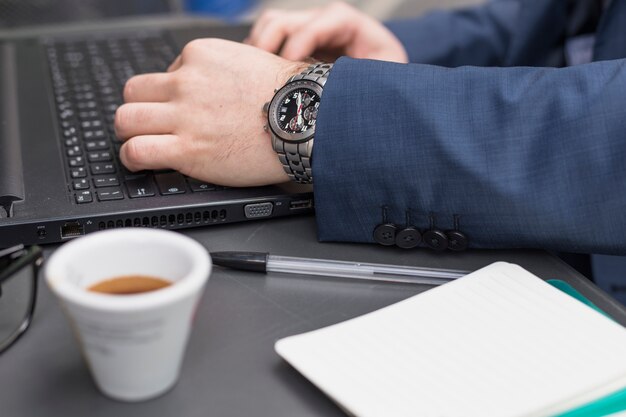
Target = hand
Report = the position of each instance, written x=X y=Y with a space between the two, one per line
x=204 y=117
x=326 y=33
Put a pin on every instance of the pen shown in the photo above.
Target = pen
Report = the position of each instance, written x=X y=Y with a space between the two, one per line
x=264 y=262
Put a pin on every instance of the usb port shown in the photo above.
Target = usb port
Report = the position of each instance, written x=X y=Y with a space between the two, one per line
x=300 y=204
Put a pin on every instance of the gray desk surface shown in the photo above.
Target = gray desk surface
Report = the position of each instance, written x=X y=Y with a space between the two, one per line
x=230 y=368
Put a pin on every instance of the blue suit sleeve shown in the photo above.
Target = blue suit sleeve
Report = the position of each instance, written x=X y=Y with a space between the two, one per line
x=527 y=157
x=478 y=35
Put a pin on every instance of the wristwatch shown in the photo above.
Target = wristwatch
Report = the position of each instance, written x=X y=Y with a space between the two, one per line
x=292 y=114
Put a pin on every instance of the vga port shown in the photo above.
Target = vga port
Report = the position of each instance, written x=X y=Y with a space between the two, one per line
x=257 y=210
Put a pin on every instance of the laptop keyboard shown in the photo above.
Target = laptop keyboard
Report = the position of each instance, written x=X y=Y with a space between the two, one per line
x=88 y=78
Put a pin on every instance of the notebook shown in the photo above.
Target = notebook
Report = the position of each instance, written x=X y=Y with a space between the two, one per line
x=499 y=342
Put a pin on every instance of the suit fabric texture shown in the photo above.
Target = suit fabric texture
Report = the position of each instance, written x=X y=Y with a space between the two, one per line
x=486 y=124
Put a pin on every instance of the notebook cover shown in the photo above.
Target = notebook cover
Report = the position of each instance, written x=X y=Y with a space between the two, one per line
x=610 y=404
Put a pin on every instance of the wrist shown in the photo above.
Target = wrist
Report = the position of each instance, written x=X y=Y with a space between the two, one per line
x=292 y=116
x=290 y=70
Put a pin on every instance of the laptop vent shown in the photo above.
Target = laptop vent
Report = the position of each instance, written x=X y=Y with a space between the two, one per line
x=172 y=220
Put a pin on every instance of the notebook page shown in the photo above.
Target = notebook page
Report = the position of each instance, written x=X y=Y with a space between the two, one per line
x=499 y=342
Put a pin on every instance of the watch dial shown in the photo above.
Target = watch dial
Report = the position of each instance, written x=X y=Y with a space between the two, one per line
x=297 y=112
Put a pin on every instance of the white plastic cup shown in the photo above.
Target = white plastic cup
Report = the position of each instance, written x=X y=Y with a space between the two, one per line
x=133 y=344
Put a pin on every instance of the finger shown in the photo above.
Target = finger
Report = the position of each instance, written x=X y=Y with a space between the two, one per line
x=260 y=24
x=152 y=152
x=156 y=87
x=143 y=119
x=178 y=62
x=278 y=30
x=325 y=30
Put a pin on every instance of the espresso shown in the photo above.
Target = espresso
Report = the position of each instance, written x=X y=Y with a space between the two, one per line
x=129 y=285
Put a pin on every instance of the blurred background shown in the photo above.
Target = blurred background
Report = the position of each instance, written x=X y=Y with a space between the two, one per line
x=14 y=13
x=382 y=9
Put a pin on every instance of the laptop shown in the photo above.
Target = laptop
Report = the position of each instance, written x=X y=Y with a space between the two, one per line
x=60 y=174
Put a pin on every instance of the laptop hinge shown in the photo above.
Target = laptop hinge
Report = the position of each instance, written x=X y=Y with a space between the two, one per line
x=11 y=175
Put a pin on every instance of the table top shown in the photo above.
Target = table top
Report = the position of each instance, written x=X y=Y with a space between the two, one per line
x=230 y=368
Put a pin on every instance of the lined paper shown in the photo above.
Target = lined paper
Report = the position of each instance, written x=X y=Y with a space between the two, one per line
x=499 y=342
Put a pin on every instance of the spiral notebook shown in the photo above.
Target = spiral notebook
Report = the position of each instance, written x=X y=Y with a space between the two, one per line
x=499 y=342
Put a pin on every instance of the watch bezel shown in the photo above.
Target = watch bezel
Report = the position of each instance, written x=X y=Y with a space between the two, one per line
x=280 y=95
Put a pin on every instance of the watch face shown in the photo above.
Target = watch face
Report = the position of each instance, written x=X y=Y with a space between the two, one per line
x=293 y=111
x=298 y=111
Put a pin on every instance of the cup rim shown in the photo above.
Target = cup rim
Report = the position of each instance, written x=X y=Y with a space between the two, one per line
x=194 y=279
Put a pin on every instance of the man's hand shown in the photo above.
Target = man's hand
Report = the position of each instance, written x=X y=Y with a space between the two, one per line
x=204 y=116
x=326 y=33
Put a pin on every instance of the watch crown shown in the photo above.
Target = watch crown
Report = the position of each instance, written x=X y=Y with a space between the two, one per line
x=266 y=107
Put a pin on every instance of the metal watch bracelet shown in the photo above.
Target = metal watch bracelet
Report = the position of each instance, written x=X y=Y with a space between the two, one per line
x=296 y=157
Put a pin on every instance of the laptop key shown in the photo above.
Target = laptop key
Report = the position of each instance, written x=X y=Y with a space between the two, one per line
x=94 y=134
x=81 y=184
x=66 y=114
x=130 y=175
x=102 y=168
x=110 y=194
x=66 y=124
x=77 y=161
x=86 y=105
x=73 y=141
x=84 y=197
x=170 y=183
x=105 y=181
x=98 y=145
x=78 y=172
x=103 y=156
x=198 y=186
x=74 y=151
x=86 y=96
x=69 y=132
x=140 y=187
x=91 y=124
x=88 y=115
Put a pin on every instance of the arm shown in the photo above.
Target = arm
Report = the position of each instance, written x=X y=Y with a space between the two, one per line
x=478 y=35
x=528 y=157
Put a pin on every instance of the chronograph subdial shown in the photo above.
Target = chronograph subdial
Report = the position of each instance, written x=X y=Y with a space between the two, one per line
x=296 y=124
x=305 y=100
x=310 y=113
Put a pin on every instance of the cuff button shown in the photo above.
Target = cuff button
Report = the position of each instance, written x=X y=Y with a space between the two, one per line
x=457 y=241
x=436 y=240
x=385 y=234
x=408 y=238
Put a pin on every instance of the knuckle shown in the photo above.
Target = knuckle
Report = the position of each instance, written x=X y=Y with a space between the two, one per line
x=200 y=47
x=276 y=25
x=269 y=14
x=192 y=47
x=128 y=116
x=120 y=117
x=129 y=87
x=178 y=81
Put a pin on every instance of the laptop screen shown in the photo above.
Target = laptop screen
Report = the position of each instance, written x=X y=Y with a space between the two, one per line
x=16 y=13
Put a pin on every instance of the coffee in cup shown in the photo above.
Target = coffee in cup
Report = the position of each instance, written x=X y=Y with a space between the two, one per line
x=129 y=285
